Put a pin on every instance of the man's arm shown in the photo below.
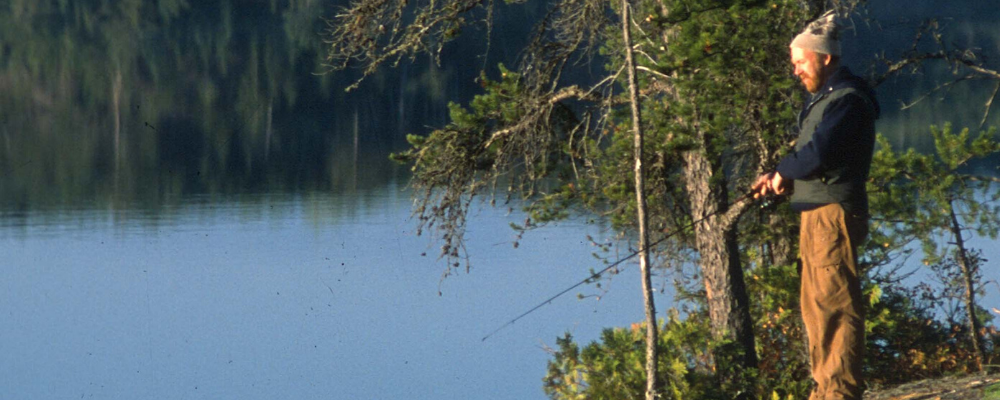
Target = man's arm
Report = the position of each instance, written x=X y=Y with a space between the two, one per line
x=841 y=119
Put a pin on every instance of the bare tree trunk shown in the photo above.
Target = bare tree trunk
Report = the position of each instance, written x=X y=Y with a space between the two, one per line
x=968 y=275
x=722 y=271
x=647 y=286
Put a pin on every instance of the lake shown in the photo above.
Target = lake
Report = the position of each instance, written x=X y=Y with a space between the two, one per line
x=311 y=296
x=190 y=209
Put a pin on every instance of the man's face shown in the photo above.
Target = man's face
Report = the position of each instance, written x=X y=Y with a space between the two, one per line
x=810 y=67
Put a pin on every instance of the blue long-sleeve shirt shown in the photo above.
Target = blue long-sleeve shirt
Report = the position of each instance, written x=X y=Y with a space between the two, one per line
x=836 y=149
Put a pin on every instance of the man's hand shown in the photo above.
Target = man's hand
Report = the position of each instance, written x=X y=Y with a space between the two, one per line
x=778 y=185
x=761 y=186
x=768 y=183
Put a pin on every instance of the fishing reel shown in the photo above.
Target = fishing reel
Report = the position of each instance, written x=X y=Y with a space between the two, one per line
x=770 y=202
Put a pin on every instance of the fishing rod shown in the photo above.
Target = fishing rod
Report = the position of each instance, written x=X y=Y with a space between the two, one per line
x=768 y=202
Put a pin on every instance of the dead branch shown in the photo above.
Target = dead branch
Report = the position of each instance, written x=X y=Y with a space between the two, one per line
x=989 y=105
x=957 y=59
x=928 y=94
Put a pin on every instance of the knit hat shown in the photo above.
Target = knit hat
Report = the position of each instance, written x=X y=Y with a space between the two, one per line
x=821 y=35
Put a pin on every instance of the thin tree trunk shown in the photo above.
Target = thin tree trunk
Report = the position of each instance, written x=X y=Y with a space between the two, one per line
x=647 y=286
x=968 y=275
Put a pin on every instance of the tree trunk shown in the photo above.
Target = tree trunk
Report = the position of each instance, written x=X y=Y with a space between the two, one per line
x=718 y=249
x=647 y=286
x=722 y=272
x=968 y=275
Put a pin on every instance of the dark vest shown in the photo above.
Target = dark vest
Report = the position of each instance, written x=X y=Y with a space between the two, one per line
x=844 y=184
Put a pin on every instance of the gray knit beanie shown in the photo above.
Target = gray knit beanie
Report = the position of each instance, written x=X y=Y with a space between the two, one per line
x=821 y=35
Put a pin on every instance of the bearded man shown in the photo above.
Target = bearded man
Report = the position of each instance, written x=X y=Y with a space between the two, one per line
x=828 y=170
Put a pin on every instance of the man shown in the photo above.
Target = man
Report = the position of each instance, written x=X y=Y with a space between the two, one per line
x=829 y=168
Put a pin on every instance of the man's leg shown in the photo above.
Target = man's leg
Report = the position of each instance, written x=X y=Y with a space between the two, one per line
x=832 y=307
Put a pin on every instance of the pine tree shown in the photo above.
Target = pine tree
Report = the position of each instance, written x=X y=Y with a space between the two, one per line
x=934 y=199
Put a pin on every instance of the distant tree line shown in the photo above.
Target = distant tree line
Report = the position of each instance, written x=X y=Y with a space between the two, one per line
x=118 y=102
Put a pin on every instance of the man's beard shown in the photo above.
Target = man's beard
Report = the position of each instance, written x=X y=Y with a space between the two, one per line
x=811 y=83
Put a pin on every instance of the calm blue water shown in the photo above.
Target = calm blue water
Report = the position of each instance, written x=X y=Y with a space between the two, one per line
x=311 y=296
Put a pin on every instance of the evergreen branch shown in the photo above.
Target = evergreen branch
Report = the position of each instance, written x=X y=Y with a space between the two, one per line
x=539 y=110
x=722 y=5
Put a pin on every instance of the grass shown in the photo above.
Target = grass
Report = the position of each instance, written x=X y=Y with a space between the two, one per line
x=992 y=392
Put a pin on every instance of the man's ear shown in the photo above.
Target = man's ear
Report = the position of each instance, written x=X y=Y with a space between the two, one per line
x=827 y=59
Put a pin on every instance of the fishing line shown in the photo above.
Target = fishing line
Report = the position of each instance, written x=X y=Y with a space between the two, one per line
x=768 y=201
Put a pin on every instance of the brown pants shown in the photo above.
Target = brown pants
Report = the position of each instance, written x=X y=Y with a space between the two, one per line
x=832 y=307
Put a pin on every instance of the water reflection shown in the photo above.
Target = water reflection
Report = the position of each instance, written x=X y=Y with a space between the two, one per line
x=149 y=102
x=144 y=103
x=317 y=207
